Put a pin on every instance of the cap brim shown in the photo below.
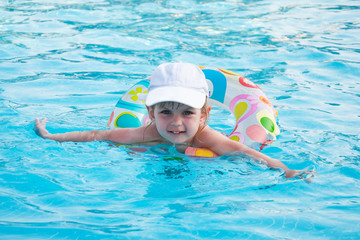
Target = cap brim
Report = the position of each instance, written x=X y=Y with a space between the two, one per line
x=190 y=97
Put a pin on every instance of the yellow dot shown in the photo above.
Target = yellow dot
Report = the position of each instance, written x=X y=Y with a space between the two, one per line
x=235 y=138
x=201 y=152
x=240 y=109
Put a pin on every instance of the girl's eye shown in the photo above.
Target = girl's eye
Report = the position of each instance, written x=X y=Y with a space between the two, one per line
x=188 y=112
x=165 y=111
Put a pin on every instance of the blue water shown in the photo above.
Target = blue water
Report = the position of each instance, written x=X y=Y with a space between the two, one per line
x=69 y=61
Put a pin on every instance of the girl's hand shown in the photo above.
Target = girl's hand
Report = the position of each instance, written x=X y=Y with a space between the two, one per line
x=40 y=128
x=300 y=174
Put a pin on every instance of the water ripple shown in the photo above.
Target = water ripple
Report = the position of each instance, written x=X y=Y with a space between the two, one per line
x=69 y=61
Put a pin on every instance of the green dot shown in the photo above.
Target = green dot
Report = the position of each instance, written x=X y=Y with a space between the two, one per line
x=268 y=124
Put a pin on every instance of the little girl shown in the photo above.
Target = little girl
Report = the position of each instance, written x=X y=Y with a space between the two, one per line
x=178 y=110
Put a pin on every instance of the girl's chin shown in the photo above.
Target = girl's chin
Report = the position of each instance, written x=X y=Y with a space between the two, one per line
x=180 y=141
x=178 y=138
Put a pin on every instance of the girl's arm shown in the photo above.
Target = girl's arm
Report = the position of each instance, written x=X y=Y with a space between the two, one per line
x=221 y=144
x=119 y=135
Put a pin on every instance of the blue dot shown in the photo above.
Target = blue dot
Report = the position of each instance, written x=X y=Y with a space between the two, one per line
x=127 y=120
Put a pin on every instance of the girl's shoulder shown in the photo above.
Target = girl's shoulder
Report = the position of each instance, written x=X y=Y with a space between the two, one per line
x=150 y=132
x=208 y=137
x=134 y=135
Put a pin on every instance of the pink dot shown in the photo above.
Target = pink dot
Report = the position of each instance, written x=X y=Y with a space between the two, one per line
x=111 y=118
x=256 y=133
x=138 y=149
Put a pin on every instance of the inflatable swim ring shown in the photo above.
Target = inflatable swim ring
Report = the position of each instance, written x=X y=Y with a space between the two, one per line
x=255 y=116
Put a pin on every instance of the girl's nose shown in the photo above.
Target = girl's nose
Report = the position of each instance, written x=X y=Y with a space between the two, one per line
x=176 y=121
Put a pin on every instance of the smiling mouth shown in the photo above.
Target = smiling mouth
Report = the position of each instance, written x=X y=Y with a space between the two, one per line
x=176 y=132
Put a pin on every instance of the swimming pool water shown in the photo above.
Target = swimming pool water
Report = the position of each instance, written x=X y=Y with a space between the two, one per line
x=70 y=61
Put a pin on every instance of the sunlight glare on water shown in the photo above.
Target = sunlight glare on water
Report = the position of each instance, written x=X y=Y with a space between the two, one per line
x=70 y=62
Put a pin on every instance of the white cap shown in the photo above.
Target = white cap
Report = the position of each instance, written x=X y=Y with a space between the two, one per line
x=178 y=82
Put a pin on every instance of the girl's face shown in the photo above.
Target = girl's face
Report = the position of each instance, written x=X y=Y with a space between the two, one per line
x=177 y=123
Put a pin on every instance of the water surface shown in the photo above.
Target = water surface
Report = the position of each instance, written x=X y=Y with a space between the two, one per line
x=71 y=61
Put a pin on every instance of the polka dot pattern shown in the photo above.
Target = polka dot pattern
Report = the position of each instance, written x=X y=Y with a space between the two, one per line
x=255 y=116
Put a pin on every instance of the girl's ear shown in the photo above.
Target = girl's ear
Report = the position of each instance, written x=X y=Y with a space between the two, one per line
x=209 y=108
x=205 y=114
x=151 y=113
